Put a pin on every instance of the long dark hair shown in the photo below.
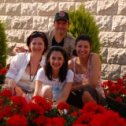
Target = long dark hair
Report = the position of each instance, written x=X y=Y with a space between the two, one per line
x=63 y=69
x=36 y=34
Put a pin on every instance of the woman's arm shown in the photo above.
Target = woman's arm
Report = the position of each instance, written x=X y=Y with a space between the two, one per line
x=95 y=70
x=65 y=93
x=38 y=85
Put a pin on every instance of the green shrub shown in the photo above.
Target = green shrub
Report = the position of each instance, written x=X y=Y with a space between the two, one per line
x=3 y=52
x=82 y=22
x=3 y=46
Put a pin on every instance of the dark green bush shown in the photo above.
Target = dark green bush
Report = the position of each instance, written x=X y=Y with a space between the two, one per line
x=82 y=22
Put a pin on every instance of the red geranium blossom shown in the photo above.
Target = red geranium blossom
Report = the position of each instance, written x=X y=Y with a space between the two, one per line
x=63 y=105
x=17 y=120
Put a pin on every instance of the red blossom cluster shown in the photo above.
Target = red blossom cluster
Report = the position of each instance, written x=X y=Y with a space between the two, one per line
x=15 y=111
x=116 y=89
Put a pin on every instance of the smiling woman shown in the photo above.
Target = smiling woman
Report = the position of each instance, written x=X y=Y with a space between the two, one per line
x=54 y=81
x=24 y=66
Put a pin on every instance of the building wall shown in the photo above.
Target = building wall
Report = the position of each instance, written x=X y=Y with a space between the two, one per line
x=21 y=17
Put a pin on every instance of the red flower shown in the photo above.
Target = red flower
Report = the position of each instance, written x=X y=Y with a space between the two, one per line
x=41 y=101
x=7 y=111
x=63 y=105
x=55 y=121
x=17 y=120
x=118 y=99
x=6 y=93
x=39 y=120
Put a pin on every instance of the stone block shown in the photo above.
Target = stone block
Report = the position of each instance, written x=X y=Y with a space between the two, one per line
x=104 y=54
x=116 y=56
x=40 y=23
x=104 y=22
x=119 y=24
x=15 y=36
x=51 y=22
x=122 y=7
x=28 y=9
x=2 y=8
x=110 y=71
x=112 y=39
x=13 y=9
x=91 y=6
x=47 y=9
x=66 y=6
x=107 y=7
x=23 y=22
x=123 y=70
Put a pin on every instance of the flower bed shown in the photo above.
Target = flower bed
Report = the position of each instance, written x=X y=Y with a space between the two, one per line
x=115 y=92
x=15 y=111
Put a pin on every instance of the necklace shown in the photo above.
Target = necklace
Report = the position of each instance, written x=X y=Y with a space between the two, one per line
x=32 y=78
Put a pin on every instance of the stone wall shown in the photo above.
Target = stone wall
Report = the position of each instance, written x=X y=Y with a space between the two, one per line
x=23 y=16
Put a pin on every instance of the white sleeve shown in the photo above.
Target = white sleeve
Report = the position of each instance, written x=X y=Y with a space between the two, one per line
x=70 y=76
x=40 y=75
x=14 y=67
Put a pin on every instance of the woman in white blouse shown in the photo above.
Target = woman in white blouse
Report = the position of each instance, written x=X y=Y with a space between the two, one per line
x=24 y=66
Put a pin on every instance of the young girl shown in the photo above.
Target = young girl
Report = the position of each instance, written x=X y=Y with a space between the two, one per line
x=87 y=72
x=54 y=81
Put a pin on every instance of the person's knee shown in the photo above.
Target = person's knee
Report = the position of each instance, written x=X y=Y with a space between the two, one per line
x=46 y=92
x=87 y=97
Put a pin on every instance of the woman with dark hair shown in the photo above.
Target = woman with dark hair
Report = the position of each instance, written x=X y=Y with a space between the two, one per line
x=54 y=81
x=87 y=72
x=24 y=66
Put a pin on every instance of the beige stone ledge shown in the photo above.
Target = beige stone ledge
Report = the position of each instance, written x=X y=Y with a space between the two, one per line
x=104 y=54
x=47 y=9
x=104 y=22
x=122 y=7
x=107 y=7
x=13 y=9
x=112 y=39
x=66 y=6
x=119 y=23
x=110 y=71
x=28 y=9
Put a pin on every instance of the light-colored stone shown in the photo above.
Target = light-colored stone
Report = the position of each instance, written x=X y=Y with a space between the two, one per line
x=66 y=6
x=49 y=8
x=104 y=55
x=14 y=1
x=40 y=23
x=29 y=9
x=15 y=35
x=125 y=40
x=110 y=71
x=77 y=5
x=107 y=7
x=112 y=39
x=119 y=23
x=2 y=8
x=122 y=7
x=23 y=22
x=123 y=70
x=51 y=23
x=13 y=9
x=6 y=20
x=91 y=6
x=116 y=56
x=104 y=22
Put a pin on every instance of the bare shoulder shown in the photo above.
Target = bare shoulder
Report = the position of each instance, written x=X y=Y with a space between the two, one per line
x=95 y=56
x=70 y=64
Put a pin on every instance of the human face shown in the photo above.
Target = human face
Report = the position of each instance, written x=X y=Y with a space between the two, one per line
x=56 y=60
x=83 y=48
x=37 y=45
x=61 y=26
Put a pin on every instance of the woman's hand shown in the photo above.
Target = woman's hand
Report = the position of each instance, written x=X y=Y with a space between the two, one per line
x=19 y=91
